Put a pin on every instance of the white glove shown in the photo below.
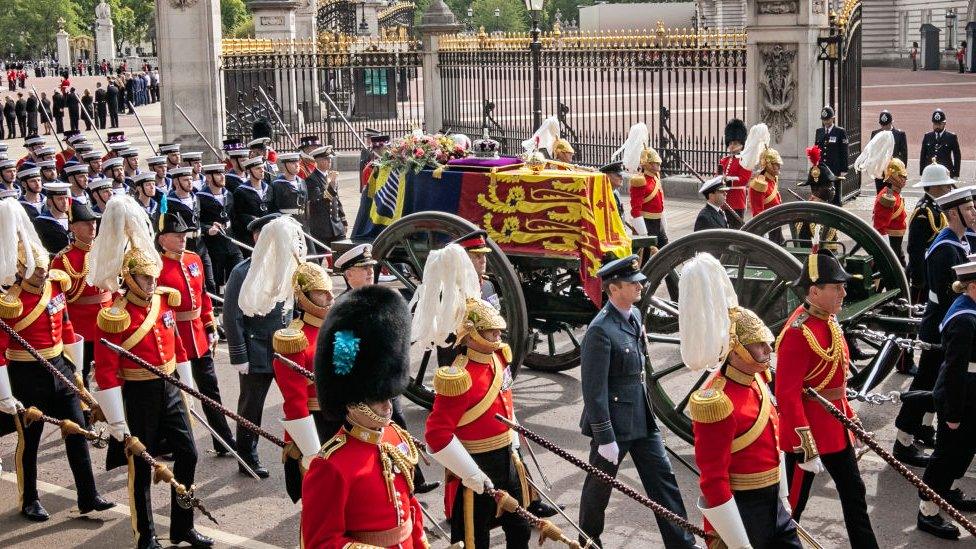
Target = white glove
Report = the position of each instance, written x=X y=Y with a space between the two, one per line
x=610 y=452
x=727 y=522
x=458 y=461
x=477 y=483
x=814 y=465
x=242 y=368
x=784 y=484
x=8 y=404
x=516 y=443
x=110 y=401
x=640 y=227
x=186 y=373
x=212 y=338
x=303 y=432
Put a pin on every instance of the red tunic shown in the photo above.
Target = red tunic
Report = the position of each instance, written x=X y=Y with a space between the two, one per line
x=84 y=300
x=344 y=493
x=40 y=320
x=62 y=158
x=730 y=166
x=800 y=366
x=148 y=330
x=889 y=213
x=763 y=193
x=490 y=393
x=194 y=315
x=736 y=435
x=299 y=394
x=646 y=197
x=306 y=168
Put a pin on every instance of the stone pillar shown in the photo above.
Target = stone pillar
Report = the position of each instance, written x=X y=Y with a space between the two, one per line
x=371 y=9
x=64 y=48
x=276 y=20
x=782 y=53
x=436 y=22
x=305 y=24
x=188 y=46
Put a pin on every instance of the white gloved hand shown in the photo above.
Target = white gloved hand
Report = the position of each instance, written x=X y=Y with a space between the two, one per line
x=212 y=338
x=516 y=443
x=10 y=405
x=477 y=483
x=242 y=368
x=119 y=430
x=813 y=466
x=110 y=401
x=786 y=505
x=640 y=227
x=610 y=452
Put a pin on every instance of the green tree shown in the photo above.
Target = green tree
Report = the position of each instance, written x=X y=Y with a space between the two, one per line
x=512 y=16
x=233 y=14
x=27 y=27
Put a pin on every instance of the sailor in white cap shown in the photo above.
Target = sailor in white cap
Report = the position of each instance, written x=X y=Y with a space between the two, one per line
x=94 y=161
x=712 y=216
x=252 y=200
x=357 y=266
x=112 y=169
x=101 y=192
x=8 y=176
x=32 y=198
x=157 y=165
x=261 y=147
x=76 y=174
x=130 y=162
x=52 y=223
x=289 y=193
x=49 y=171
x=143 y=188
x=172 y=153
x=194 y=159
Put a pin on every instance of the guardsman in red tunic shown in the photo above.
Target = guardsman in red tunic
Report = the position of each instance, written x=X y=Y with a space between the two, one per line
x=307 y=144
x=464 y=436
x=732 y=169
x=34 y=306
x=135 y=401
x=84 y=300
x=183 y=271
x=647 y=197
x=736 y=427
x=305 y=423
x=812 y=352
x=764 y=187
x=358 y=491
x=889 y=207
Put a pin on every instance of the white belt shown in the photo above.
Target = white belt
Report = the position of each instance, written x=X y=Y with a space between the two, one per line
x=972 y=368
x=933 y=297
x=291 y=211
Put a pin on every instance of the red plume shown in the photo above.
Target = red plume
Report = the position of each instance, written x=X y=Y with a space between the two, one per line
x=814 y=153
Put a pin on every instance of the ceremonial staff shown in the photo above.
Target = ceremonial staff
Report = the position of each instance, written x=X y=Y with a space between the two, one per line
x=868 y=439
x=144 y=132
x=50 y=119
x=242 y=421
x=68 y=427
x=346 y=121
x=194 y=126
x=657 y=508
x=93 y=125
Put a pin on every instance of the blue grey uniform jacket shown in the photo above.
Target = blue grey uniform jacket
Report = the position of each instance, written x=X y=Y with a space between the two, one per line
x=249 y=337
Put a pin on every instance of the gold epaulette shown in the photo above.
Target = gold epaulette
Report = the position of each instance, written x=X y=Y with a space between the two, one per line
x=711 y=404
x=332 y=445
x=290 y=340
x=61 y=277
x=886 y=201
x=637 y=181
x=507 y=352
x=759 y=184
x=173 y=297
x=114 y=319
x=10 y=304
x=453 y=380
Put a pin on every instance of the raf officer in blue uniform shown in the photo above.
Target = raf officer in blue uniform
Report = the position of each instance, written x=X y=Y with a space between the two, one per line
x=940 y=146
x=251 y=353
x=616 y=412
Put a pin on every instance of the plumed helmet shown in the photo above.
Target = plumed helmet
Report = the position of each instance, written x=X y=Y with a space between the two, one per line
x=769 y=157
x=363 y=350
x=735 y=130
x=748 y=328
x=650 y=156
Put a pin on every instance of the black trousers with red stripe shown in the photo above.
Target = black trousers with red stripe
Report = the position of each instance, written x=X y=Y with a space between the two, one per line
x=842 y=467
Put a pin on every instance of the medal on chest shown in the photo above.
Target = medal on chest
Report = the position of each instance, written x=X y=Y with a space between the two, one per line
x=194 y=269
x=55 y=305
x=169 y=319
x=507 y=380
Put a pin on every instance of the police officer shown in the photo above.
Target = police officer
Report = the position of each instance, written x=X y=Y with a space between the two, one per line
x=249 y=344
x=252 y=200
x=832 y=140
x=940 y=146
x=955 y=401
x=616 y=414
x=947 y=250
x=901 y=142
x=712 y=216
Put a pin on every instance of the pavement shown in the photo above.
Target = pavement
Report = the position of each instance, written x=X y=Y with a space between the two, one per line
x=258 y=514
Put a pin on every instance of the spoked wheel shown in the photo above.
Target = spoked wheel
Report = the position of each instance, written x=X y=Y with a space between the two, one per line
x=402 y=249
x=762 y=274
x=878 y=299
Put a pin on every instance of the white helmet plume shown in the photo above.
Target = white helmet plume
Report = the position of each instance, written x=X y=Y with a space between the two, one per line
x=277 y=253
x=547 y=134
x=633 y=147
x=16 y=228
x=123 y=225
x=706 y=295
x=756 y=142
x=439 y=303
x=876 y=154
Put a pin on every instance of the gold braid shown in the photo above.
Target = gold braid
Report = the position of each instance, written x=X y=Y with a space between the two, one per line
x=76 y=277
x=833 y=355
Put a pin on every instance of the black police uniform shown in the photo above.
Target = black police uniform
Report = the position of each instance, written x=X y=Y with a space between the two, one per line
x=224 y=254
x=834 y=147
x=616 y=409
x=942 y=146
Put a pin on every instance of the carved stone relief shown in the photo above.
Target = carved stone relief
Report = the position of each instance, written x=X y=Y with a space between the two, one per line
x=777 y=7
x=777 y=87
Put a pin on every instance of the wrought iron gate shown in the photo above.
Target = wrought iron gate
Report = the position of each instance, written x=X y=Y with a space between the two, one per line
x=685 y=85
x=840 y=56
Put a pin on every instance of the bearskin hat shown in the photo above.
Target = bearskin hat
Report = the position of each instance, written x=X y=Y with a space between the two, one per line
x=262 y=128
x=735 y=130
x=363 y=352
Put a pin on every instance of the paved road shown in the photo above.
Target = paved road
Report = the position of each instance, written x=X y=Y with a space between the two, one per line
x=258 y=514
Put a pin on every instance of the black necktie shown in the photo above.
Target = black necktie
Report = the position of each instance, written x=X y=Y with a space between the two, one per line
x=635 y=324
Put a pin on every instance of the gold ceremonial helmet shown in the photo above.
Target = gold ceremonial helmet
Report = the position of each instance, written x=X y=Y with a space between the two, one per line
x=649 y=156
x=768 y=157
x=747 y=328
x=479 y=315
x=310 y=277
x=41 y=260
x=895 y=167
x=562 y=145
x=137 y=261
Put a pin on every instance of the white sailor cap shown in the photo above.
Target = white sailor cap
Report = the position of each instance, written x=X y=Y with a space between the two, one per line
x=325 y=150
x=357 y=256
x=167 y=148
x=192 y=155
x=76 y=139
x=56 y=188
x=28 y=172
x=76 y=168
x=83 y=147
x=716 y=183
x=238 y=152
x=91 y=156
x=44 y=151
x=965 y=271
x=180 y=172
x=119 y=145
x=289 y=157
x=213 y=168
x=955 y=197
x=7 y=163
x=142 y=177
x=114 y=162
x=155 y=160
x=100 y=183
x=33 y=141
x=129 y=152
x=259 y=142
x=49 y=164
x=252 y=162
